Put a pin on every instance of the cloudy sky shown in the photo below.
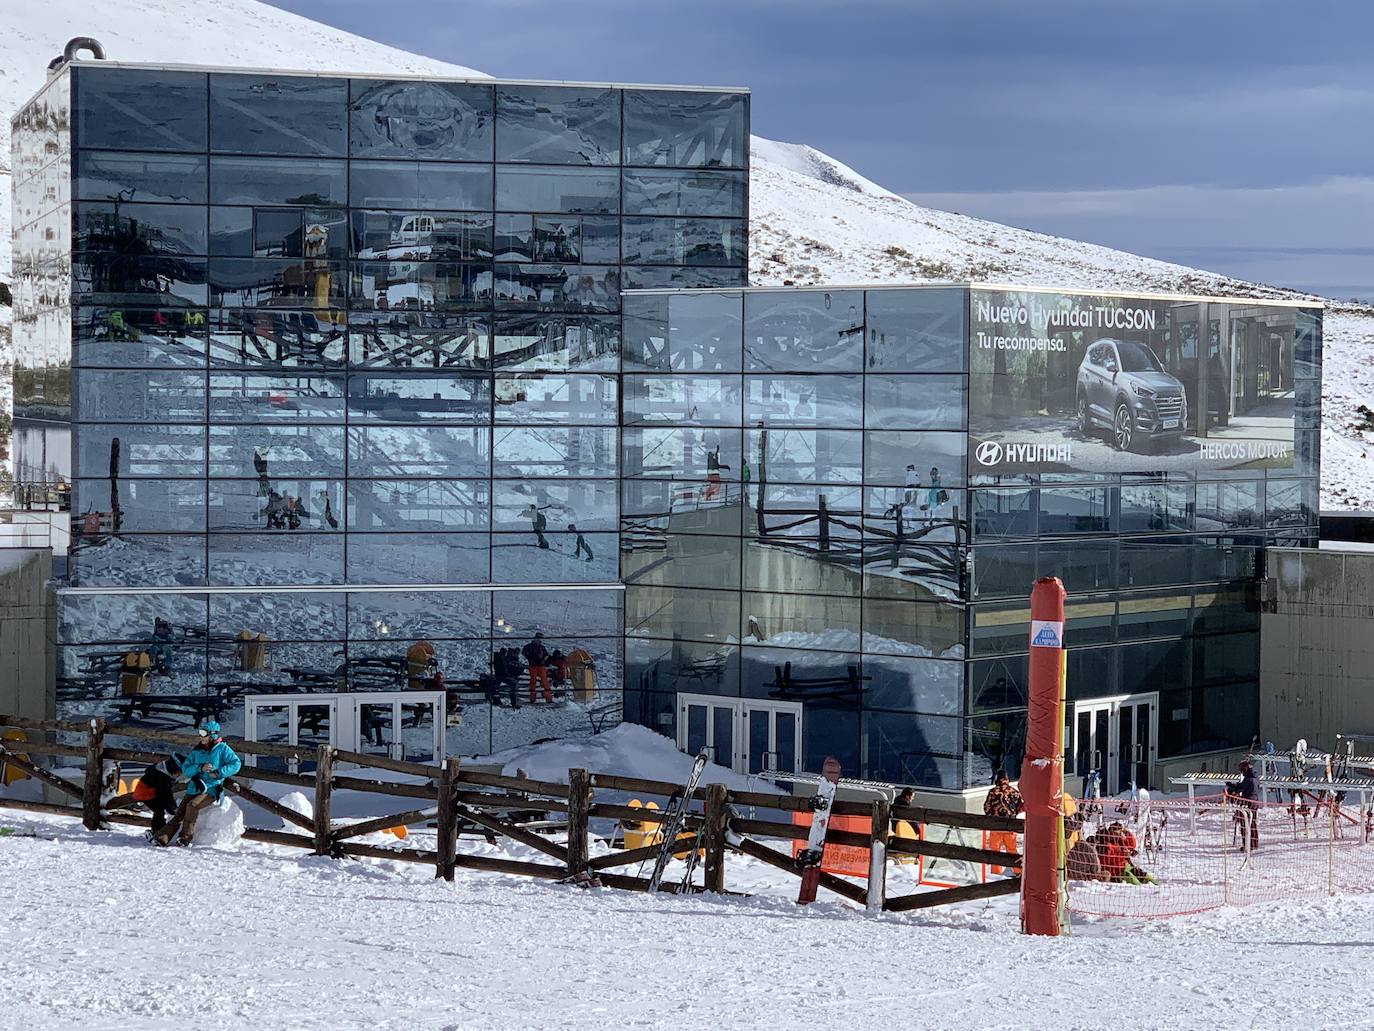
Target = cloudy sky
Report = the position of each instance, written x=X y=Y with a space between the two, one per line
x=1230 y=134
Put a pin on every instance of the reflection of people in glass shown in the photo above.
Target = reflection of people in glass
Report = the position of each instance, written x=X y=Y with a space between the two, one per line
x=913 y=484
x=538 y=658
x=538 y=523
x=329 y=516
x=713 y=468
x=935 y=496
x=582 y=545
x=260 y=465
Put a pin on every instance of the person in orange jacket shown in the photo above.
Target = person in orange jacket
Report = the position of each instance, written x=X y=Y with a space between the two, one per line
x=1004 y=801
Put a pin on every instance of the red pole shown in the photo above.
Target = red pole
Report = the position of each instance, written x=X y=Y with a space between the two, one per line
x=1042 y=770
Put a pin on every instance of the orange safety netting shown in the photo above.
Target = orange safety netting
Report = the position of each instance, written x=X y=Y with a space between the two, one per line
x=1169 y=858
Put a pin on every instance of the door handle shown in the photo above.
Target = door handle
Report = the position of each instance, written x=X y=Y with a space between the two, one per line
x=1139 y=753
x=1097 y=759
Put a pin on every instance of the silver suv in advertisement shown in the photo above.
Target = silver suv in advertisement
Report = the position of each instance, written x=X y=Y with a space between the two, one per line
x=1123 y=387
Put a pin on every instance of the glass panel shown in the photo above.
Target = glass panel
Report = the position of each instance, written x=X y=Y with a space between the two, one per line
x=554 y=557
x=574 y=190
x=908 y=628
x=419 y=340
x=139 y=229
x=803 y=621
x=285 y=615
x=532 y=342
x=785 y=734
x=281 y=339
x=414 y=286
x=133 y=337
x=684 y=129
x=314 y=724
x=449 y=121
x=679 y=453
x=681 y=277
x=571 y=288
x=917 y=330
x=280 y=503
x=425 y=185
x=558 y=124
x=723 y=736
x=760 y=756
x=374 y=397
x=718 y=194
x=550 y=398
x=683 y=241
x=245 y=397
x=1156 y=507
x=139 y=506
x=935 y=460
x=1068 y=510
x=277 y=181
x=418 y=558
x=267 y=451
x=696 y=729
x=696 y=400
x=275 y=558
x=684 y=332
x=252 y=114
x=153 y=449
x=577 y=451
x=273 y=727
x=414 y=505
x=421 y=235
x=376 y=731
x=145 y=396
x=277 y=283
x=299 y=233
x=116 y=280
x=417 y=730
x=438 y=451
x=137 y=109
x=149 y=177
x=804 y=456
x=142 y=560
x=698 y=615
x=1004 y=512
x=803 y=401
x=787 y=331
x=914 y=402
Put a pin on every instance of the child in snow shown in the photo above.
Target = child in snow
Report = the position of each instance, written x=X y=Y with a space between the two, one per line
x=206 y=768
x=156 y=789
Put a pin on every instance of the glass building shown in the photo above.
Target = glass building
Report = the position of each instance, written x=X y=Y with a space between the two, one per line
x=834 y=502
x=333 y=364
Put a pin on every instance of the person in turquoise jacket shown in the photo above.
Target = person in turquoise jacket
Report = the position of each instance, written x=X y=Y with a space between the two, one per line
x=206 y=767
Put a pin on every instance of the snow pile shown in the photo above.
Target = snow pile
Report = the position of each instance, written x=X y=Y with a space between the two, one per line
x=220 y=825
x=630 y=750
x=297 y=802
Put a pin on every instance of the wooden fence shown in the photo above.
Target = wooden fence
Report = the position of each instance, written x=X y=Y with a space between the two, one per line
x=453 y=798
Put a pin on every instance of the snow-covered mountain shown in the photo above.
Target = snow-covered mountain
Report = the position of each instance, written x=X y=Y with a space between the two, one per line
x=813 y=219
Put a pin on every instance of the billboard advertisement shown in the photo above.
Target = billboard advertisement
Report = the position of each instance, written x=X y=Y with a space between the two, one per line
x=1099 y=383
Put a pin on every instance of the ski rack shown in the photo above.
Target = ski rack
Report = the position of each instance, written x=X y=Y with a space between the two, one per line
x=1362 y=786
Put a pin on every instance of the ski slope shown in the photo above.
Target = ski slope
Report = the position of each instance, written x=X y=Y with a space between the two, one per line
x=813 y=219
x=105 y=932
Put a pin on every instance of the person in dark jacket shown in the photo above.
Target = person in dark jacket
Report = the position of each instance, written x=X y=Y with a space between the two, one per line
x=1244 y=795
x=156 y=789
x=538 y=658
x=206 y=768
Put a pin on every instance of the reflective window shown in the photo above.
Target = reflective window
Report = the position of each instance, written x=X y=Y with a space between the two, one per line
x=1004 y=512
x=374 y=397
x=439 y=451
x=423 y=185
x=139 y=229
x=1285 y=504
x=140 y=109
x=684 y=332
x=421 y=235
x=684 y=193
x=549 y=398
x=574 y=190
x=1065 y=510
x=682 y=560
x=683 y=241
x=570 y=288
x=397 y=339
x=1228 y=505
x=277 y=283
x=275 y=503
x=277 y=181
x=803 y=401
x=914 y=402
x=794 y=331
x=554 y=451
x=275 y=558
x=689 y=400
x=265 y=452
x=294 y=339
x=553 y=509
x=416 y=505
x=419 y=558
x=557 y=125
x=138 y=506
x=531 y=342
x=448 y=121
x=790 y=455
x=118 y=279
x=698 y=615
x=293 y=233
x=914 y=460
x=415 y=286
x=684 y=129
x=294 y=616
x=152 y=178
x=143 y=396
x=150 y=449
x=571 y=557
x=251 y=114
x=1155 y=507
x=231 y=232
x=916 y=330
x=142 y=560
x=903 y=628
x=250 y=397
x=682 y=277
x=139 y=337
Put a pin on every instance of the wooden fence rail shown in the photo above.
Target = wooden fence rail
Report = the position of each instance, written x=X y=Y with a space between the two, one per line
x=453 y=799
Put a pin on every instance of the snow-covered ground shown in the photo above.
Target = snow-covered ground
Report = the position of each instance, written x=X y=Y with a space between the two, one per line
x=104 y=932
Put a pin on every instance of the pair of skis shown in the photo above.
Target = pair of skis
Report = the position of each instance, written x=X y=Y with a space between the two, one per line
x=671 y=826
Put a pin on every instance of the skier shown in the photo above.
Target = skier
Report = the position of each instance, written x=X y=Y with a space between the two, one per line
x=538 y=658
x=713 y=468
x=1004 y=801
x=1243 y=795
x=206 y=768
x=260 y=465
x=581 y=544
x=538 y=523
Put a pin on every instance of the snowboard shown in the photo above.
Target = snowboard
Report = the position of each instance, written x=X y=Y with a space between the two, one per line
x=809 y=858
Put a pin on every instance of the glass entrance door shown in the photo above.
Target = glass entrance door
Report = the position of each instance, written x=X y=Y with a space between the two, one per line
x=772 y=737
x=709 y=723
x=746 y=735
x=1117 y=738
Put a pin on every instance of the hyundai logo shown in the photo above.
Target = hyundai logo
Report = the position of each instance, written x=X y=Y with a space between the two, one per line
x=989 y=453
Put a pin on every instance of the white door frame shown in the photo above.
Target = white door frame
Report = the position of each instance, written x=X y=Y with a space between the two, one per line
x=1111 y=752
x=345 y=717
x=740 y=708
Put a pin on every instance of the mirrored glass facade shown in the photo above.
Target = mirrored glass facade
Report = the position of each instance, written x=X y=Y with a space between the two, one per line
x=329 y=337
x=803 y=526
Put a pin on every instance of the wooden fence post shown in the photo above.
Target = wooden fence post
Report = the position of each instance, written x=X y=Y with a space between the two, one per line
x=579 y=809
x=324 y=777
x=713 y=836
x=877 y=855
x=95 y=769
x=446 y=845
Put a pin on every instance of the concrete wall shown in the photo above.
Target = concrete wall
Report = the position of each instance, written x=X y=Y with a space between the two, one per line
x=1317 y=646
x=27 y=633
